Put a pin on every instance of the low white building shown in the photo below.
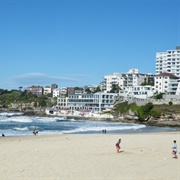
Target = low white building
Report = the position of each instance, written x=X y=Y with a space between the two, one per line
x=178 y=88
x=139 y=92
x=96 y=102
x=166 y=83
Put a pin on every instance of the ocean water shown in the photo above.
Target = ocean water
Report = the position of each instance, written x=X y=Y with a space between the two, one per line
x=15 y=124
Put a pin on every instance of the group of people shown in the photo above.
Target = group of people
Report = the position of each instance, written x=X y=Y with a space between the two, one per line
x=174 y=151
x=104 y=131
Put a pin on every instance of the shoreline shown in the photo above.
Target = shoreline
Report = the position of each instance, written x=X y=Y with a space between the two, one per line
x=154 y=122
x=90 y=156
x=157 y=123
x=63 y=126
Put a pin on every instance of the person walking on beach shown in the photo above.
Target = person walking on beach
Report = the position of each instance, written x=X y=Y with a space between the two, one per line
x=35 y=131
x=174 y=152
x=118 y=147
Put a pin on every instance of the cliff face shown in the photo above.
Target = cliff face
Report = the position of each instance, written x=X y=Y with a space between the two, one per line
x=168 y=119
x=172 y=120
x=150 y=114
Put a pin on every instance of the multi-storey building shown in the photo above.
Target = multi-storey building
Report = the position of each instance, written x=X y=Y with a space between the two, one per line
x=94 y=102
x=54 y=86
x=168 y=61
x=62 y=97
x=47 y=90
x=56 y=92
x=38 y=90
x=166 y=83
x=138 y=92
x=129 y=79
x=60 y=92
x=63 y=92
x=115 y=78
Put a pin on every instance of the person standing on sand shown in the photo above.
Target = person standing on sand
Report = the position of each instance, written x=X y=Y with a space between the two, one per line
x=118 y=147
x=174 y=152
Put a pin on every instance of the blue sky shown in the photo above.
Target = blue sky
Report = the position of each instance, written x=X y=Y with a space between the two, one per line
x=77 y=42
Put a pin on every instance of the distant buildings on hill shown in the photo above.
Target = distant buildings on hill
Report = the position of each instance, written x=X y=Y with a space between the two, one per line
x=130 y=79
x=129 y=85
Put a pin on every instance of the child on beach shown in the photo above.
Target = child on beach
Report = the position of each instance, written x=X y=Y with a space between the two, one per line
x=118 y=147
x=174 y=152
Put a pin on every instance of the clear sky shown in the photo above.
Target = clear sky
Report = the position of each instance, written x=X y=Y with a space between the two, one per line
x=77 y=42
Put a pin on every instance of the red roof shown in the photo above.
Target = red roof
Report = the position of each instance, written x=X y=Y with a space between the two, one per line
x=168 y=75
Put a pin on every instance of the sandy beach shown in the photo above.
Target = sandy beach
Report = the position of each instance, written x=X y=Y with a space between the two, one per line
x=90 y=156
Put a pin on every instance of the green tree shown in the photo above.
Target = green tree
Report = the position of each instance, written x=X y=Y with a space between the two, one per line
x=114 y=88
x=159 y=96
x=170 y=103
x=98 y=89
x=87 y=90
x=42 y=102
x=144 y=111
x=35 y=104
x=155 y=114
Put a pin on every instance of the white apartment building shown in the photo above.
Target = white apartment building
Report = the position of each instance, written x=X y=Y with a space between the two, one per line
x=56 y=92
x=115 y=78
x=60 y=92
x=168 y=61
x=166 y=83
x=96 y=102
x=138 y=92
x=47 y=90
x=63 y=92
x=178 y=88
x=131 y=78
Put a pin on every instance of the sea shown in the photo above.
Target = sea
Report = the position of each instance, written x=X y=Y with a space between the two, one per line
x=16 y=124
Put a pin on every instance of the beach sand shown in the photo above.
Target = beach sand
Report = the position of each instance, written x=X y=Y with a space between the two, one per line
x=89 y=157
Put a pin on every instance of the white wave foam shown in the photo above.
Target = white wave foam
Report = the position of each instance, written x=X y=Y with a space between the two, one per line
x=110 y=128
x=17 y=119
x=21 y=129
x=50 y=132
x=72 y=119
x=45 y=119
x=8 y=114
x=22 y=119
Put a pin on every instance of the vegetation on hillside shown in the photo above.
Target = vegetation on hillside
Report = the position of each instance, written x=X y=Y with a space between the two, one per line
x=142 y=112
x=15 y=96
